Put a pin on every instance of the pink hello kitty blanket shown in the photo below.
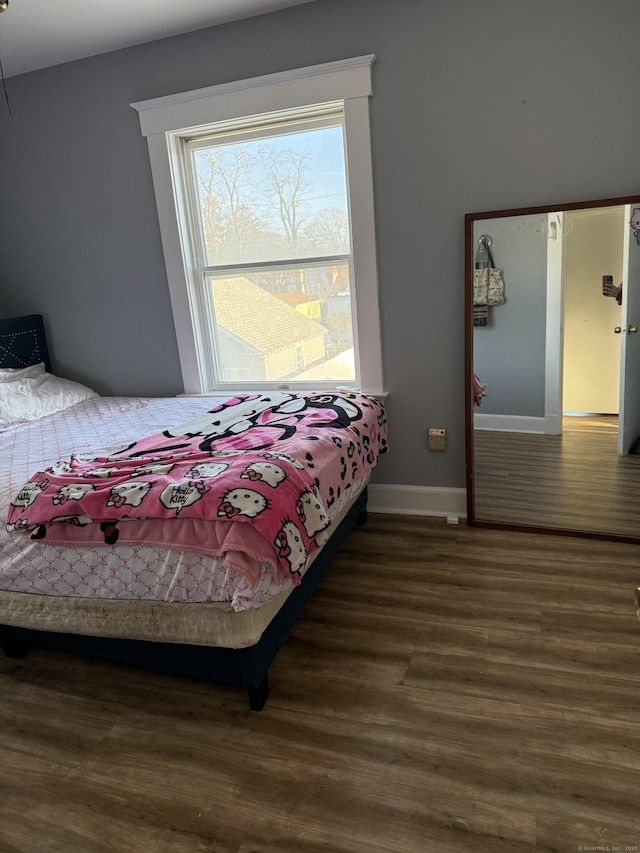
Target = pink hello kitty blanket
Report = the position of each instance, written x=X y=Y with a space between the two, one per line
x=247 y=482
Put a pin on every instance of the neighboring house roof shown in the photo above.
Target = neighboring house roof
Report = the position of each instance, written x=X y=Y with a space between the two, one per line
x=272 y=324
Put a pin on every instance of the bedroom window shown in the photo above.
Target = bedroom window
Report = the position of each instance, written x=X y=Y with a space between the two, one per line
x=265 y=204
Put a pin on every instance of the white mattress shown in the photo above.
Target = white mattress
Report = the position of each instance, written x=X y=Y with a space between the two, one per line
x=124 y=591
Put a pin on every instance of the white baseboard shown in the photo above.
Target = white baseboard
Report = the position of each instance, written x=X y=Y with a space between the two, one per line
x=509 y=423
x=418 y=500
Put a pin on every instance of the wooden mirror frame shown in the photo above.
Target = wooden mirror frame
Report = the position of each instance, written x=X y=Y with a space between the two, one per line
x=469 y=262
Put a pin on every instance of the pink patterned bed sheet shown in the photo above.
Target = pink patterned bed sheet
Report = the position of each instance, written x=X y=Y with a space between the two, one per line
x=248 y=482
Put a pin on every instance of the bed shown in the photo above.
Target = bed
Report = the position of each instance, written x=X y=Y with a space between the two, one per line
x=212 y=586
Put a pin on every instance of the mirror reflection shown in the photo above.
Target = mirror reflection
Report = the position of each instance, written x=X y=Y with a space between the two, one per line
x=556 y=417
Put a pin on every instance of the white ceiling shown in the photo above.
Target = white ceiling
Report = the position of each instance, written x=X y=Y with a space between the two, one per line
x=39 y=33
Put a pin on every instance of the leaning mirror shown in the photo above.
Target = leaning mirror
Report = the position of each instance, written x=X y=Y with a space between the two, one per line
x=553 y=367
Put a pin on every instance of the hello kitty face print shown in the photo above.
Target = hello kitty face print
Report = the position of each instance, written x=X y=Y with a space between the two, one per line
x=129 y=494
x=312 y=514
x=206 y=469
x=269 y=473
x=291 y=547
x=242 y=502
x=72 y=492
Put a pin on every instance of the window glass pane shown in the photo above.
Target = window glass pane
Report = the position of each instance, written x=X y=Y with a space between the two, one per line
x=280 y=197
x=291 y=324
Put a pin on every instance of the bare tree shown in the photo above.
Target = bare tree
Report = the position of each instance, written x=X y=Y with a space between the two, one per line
x=207 y=171
x=328 y=232
x=340 y=327
x=225 y=191
x=287 y=169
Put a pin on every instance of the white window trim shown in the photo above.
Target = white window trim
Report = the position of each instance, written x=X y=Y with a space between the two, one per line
x=164 y=120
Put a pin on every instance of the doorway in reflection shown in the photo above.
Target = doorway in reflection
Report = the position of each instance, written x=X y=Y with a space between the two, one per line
x=593 y=248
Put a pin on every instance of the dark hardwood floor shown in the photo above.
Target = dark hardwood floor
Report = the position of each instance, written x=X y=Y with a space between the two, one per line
x=576 y=480
x=448 y=689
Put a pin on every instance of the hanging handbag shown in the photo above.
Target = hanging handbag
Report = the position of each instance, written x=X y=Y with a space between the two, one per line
x=488 y=287
x=488 y=283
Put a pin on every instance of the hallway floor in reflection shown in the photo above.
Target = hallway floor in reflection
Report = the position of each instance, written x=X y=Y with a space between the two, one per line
x=575 y=481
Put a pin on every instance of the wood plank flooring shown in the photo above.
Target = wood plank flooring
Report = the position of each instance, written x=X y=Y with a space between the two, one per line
x=448 y=689
x=576 y=480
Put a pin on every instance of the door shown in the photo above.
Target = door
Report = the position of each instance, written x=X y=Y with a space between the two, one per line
x=630 y=341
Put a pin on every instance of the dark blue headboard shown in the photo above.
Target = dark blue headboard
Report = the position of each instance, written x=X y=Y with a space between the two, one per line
x=23 y=342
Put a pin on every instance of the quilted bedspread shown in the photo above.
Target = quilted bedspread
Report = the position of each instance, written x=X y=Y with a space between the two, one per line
x=251 y=478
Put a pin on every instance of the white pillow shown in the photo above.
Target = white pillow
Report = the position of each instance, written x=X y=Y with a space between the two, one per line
x=8 y=374
x=29 y=393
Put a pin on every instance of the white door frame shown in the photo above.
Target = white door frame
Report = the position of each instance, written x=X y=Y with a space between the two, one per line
x=554 y=324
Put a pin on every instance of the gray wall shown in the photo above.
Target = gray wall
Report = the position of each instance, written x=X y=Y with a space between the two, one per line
x=509 y=352
x=477 y=106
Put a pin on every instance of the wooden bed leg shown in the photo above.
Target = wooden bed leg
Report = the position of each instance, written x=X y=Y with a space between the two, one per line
x=15 y=648
x=259 y=695
x=362 y=518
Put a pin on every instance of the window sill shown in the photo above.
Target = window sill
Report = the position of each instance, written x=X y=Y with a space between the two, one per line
x=227 y=393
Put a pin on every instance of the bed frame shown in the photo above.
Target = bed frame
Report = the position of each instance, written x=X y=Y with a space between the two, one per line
x=23 y=342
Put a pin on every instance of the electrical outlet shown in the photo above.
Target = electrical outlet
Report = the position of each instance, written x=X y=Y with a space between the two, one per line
x=437 y=439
